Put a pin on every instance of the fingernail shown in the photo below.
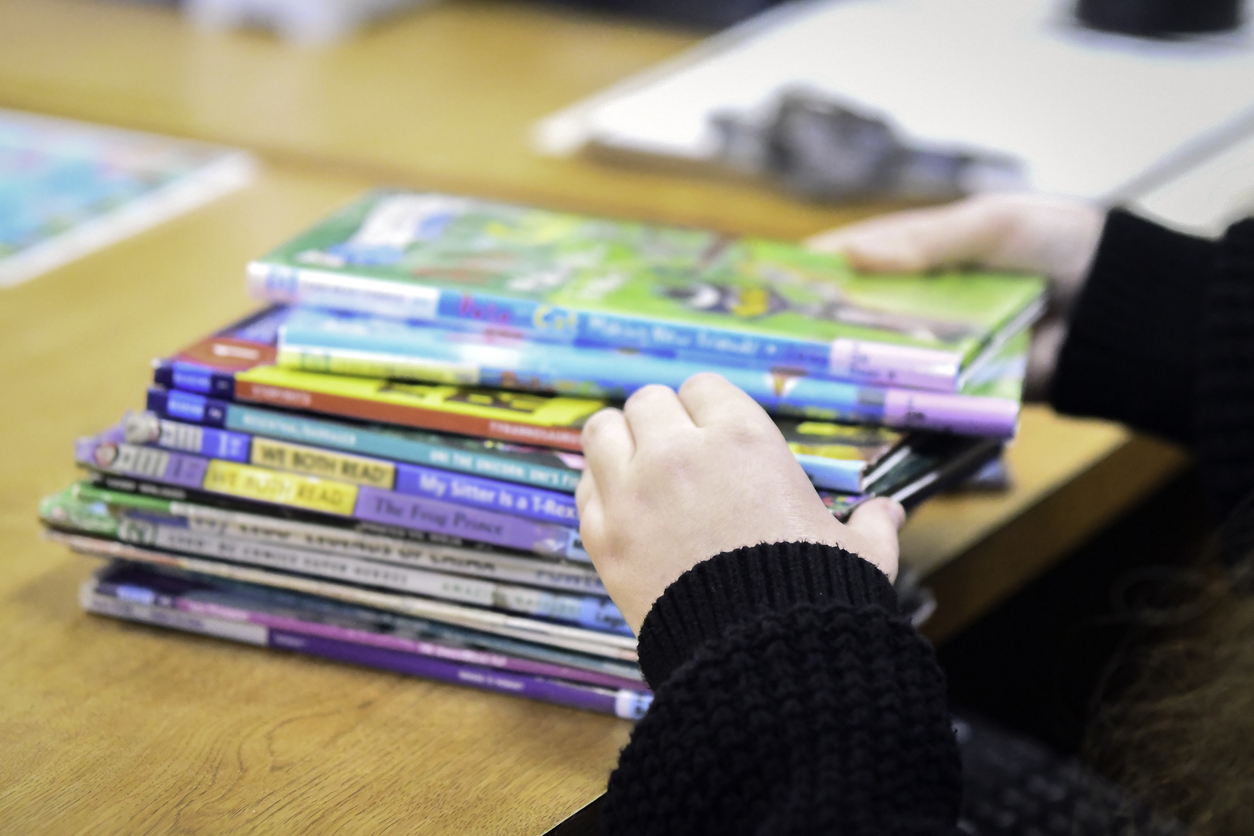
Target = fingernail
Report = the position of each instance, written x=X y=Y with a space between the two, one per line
x=898 y=512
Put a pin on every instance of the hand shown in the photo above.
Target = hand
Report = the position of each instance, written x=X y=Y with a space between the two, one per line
x=675 y=479
x=1030 y=232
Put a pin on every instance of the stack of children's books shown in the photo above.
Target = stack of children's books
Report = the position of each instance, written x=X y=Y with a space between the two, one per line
x=380 y=466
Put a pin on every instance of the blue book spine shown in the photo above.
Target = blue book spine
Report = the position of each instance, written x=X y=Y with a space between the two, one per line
x=317 y=340
x=833 y=474
x=393 y=446
x=190 y=438
x=848 y=359
x=535 y=503
x=190 y=377
x=548 y=323
x=185 y=406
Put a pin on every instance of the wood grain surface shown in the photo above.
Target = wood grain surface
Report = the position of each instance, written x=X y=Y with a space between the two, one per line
x=112 y=728
x=107 y=727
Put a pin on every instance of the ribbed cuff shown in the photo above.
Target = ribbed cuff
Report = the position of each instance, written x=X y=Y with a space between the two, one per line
x=741 y=585
x=1132 y=345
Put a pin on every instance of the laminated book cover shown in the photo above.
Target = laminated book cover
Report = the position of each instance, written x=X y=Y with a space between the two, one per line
x=67 y=188
x=550 y=276
x=237 y=363
x=366 y=345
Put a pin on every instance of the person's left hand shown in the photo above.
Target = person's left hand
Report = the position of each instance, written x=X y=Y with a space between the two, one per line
x=677 y=478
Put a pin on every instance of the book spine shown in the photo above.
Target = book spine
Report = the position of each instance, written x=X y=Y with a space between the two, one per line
x=567 y=370
x=355 y=544
x=148 y=428
x=843 y=358
x=608 y=645
x=303 y=285
x=180 y=405
x=296 y=620
x=584 y=611
x=622 y=703
x=289 y=397
x=84 y=513
x=329 y=497
x=485 y=462
x=857 y=361
x=832 y=474
x=322 y=464
x=392 y=508
x=415 y=480
x=633 y=704
x=533 y=503
x=189 y=377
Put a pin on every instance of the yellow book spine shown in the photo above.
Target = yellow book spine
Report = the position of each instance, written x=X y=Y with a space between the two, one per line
x=322 y=463
x=305 y=388
x=292 y=489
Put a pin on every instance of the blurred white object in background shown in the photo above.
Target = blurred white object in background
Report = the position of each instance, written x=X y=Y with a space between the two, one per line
x=1087 y=114
x=309 y=22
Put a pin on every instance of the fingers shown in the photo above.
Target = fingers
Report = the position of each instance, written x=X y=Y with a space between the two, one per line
x=710 y=398
x=608 y=447
x=877 y=522
x=655 y=412
x=915 y=240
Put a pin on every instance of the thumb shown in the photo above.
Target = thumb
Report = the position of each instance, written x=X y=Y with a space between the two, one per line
x=876 y=523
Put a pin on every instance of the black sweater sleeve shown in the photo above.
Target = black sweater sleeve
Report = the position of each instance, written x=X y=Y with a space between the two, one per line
x=790 y=697
x=1162 y=339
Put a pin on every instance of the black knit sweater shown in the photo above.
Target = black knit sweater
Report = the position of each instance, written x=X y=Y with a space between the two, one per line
x=791 y=697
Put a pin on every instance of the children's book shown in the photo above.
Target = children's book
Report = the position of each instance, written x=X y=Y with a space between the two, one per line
x=68 y=188
x=355 y=344
x=247 y=604
x=157 y=530
x=920 y=468
x=834 y=456
x=535 y=466
x=415 y=480
x=626 y=703
x=608 y=645
x=684 y=293
x=110 y=453
x=238 y=363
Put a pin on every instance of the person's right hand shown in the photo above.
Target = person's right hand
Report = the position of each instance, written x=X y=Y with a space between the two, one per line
x=1022 y=231
x=675 y=478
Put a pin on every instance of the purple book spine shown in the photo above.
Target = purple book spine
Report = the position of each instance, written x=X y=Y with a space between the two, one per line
x=400 y=644
x=959 y=414
x=180 y=469
x=630 y=704
x=371 y=505
x=376 y=505
x=620 y=703
x=533 y=503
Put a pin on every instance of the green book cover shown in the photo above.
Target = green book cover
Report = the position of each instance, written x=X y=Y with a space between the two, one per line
x=563 y=277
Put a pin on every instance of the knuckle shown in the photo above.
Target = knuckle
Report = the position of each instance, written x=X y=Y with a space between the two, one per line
x=595 y=425
x=649 y=394
x=704 y=381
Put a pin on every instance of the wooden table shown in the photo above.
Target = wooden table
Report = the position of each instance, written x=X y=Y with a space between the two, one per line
x=107 y=727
